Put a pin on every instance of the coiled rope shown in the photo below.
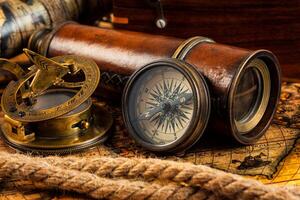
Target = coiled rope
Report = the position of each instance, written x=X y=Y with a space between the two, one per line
x=136 y=178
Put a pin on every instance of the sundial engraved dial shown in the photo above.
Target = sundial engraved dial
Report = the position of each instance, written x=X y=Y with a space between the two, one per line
x=44 y=74
x=49 y=109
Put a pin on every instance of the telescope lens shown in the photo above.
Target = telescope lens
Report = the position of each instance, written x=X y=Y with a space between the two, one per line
x=247 y=95
x=251 y=96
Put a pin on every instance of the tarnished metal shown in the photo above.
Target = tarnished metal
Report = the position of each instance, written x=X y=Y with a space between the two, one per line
x=44 y=74
x=19 y=19
x=13 y=68
x=224 y=68
x=49 y=109
x=166 y=106
x=258 y=109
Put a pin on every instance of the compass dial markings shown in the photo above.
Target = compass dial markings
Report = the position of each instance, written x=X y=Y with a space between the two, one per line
x=167 y=107
x=172 y=100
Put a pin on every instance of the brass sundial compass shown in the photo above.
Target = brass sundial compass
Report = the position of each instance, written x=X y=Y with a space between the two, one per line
x=49 y=108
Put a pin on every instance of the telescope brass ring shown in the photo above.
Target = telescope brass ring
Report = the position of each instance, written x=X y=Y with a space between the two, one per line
x=188 y=44
x=247 y=124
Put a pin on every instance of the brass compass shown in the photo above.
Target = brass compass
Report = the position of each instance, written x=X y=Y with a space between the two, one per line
x=49 y=108
x=166 y=106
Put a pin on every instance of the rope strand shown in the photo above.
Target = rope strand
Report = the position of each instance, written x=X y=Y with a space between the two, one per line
x=45 y=176
x=222 y=184
x=105 y=177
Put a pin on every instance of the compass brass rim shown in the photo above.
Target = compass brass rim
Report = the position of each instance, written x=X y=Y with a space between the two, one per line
x=11 y=108
x=200 y=116
x=96 y=134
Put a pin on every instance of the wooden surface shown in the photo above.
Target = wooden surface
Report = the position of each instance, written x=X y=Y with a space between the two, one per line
x=259 y=24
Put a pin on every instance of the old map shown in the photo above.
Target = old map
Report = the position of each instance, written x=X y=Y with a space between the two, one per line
x=274 y=159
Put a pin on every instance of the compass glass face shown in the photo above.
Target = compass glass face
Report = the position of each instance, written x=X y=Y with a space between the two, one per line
x=161 y=105
x=53 y=98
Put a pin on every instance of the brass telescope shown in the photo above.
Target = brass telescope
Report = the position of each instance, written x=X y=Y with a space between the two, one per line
x=243 y=85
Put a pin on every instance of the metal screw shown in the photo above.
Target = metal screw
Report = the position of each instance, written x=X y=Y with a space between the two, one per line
x=22 y=113
x=84 y=125
x=161 y=23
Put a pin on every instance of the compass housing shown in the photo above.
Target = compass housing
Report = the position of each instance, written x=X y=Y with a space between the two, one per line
x=192 y=126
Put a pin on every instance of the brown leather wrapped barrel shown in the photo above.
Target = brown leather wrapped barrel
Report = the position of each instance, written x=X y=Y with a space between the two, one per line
x=120 y=53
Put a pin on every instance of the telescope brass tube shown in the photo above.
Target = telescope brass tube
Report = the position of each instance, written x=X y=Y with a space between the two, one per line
x=244 y=84
x=19 y=19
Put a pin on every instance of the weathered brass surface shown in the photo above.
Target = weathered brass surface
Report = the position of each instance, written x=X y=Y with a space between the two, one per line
x=44 y=74
x=166 y=106
x=13 y=68
x=46 y=113
x=66 y=142
x=258 y=110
